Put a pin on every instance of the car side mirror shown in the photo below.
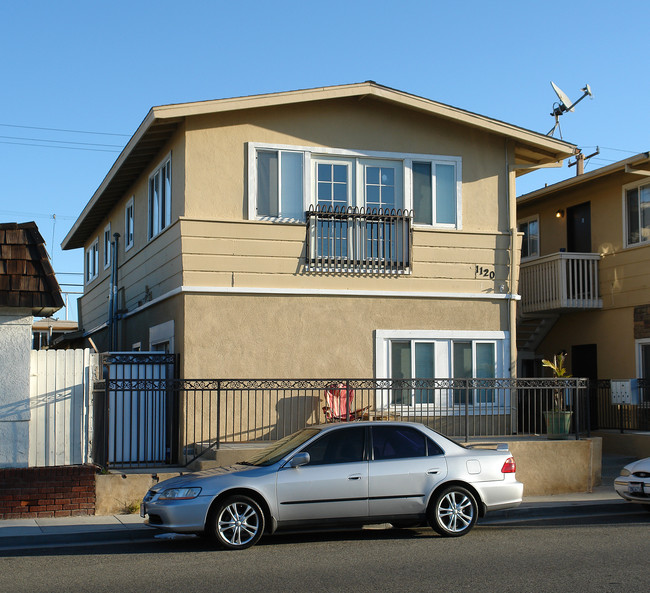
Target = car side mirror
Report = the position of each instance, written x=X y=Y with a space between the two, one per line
x=299 y=459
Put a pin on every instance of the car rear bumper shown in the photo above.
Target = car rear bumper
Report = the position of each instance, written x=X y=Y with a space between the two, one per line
x=500 y=495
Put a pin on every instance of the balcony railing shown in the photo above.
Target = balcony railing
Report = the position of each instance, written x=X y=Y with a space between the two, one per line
x=560 y=281
x=356 y=240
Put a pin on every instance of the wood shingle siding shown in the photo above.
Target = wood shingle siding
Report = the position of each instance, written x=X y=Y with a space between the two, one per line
x=26 y=276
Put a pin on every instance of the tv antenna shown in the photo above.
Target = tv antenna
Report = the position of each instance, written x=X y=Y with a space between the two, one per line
x=564 y=105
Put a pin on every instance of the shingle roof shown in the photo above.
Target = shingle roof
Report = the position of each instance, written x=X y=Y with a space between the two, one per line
x=27 y=279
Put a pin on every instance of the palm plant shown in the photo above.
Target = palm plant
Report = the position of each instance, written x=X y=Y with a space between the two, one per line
x=559 y=372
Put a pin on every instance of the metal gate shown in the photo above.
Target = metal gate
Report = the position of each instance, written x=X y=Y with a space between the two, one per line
x=140 y=423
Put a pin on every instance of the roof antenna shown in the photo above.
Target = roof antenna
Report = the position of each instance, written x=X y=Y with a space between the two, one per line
x=564 y=105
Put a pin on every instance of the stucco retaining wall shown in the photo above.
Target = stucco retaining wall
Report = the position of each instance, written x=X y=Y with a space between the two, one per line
x=544 y=467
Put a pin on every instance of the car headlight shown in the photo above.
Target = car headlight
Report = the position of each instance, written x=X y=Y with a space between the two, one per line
x=625 y=472
x=180 y=493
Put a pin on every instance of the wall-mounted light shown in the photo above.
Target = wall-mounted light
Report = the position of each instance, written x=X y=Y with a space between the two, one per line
x=559 y=213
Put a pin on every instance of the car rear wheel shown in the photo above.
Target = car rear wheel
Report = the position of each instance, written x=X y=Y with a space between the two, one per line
x=237 y=523
x=453 y=512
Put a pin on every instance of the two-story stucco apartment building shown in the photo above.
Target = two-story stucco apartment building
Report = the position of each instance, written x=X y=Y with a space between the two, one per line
x=585 y=273
x=348 y=231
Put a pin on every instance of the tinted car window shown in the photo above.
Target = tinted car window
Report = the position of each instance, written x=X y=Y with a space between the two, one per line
x=400 y=442
x=339 y=446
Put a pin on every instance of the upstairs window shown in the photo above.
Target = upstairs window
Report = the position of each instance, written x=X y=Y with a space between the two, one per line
x=92 y=261
x=160 y=198
x=107 y=245
x=637 y=213
x=280 y=184
x=128 y=225
x=530 y=241
x=285 y=181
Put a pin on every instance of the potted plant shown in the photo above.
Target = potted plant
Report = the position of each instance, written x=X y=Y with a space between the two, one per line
x=558 y=419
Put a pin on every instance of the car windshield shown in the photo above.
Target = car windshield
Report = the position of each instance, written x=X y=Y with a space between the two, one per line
x=282 y=447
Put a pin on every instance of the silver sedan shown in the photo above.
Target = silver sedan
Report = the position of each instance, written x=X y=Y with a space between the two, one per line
x=341 y=474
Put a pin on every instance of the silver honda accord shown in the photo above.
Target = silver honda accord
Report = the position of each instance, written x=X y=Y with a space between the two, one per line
x=349 y=473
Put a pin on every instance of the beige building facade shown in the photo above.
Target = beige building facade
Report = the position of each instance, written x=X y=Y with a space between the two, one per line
x=592 y=234
x=353 y=231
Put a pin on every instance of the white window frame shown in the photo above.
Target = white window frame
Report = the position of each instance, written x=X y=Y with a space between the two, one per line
x=526 y=221
x=638 y=347
x=156 y=222
x=635 y=185
x=129 y=224
x=443 y=341
x=107 y=246
x=91 y=262
x=358 y=159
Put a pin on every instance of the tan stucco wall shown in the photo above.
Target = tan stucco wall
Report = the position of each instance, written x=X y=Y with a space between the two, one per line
x=553 y=467
x=611 y=330
x=250 y=336
x=216 y=152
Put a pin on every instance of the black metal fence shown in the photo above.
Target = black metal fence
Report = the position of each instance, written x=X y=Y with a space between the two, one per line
x=213 y=413
x=621 y=413
x=203 y=415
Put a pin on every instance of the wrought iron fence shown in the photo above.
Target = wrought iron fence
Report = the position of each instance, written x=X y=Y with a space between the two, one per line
x=355 y=240
x=632 y=416
x=213 y=413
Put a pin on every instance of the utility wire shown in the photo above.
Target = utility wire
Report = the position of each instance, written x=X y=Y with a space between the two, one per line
x=62 y=141
x=64 y=147
x=62 y=130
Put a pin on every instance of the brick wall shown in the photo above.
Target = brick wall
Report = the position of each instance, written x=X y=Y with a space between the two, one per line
x=47 y=492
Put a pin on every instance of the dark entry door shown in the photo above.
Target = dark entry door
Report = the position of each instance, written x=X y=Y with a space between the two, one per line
x=578 y=228
x=584 y=363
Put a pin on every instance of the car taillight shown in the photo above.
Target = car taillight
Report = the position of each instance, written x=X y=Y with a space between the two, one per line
x=509 y=467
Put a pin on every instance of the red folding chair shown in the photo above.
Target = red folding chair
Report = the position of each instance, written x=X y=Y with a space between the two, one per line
x=339 y=404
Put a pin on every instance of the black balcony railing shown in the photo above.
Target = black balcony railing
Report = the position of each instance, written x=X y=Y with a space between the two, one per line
x=356 y=240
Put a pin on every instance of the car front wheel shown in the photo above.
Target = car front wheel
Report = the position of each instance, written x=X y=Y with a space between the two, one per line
x=237 y=523
x=453 y=512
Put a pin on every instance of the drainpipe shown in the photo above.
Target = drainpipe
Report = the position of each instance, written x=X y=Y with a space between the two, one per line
x=112 y=298
x=512 y=303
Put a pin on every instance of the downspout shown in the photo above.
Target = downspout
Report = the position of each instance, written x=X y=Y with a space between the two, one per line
x=512 y=303
x=112 y=305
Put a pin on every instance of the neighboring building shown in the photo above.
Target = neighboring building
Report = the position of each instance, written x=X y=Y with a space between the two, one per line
x=233 y=252
x=585 y=273
x=49 y=332
x=28 y=287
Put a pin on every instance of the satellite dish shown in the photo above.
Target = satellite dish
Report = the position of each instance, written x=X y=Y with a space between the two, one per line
x=565 y=105
x=564 y=100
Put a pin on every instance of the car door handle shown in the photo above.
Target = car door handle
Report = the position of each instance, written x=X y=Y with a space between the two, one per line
x=433 y=472
x=354 y=477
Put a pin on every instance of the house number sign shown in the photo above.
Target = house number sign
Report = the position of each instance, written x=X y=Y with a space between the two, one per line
x=483 y=272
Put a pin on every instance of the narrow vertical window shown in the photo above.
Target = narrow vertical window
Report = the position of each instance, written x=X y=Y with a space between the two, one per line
x=160 y=199
x=128 y=225
x=107 y=245
x=445 y=194
x=422 y=193
x=92 y=261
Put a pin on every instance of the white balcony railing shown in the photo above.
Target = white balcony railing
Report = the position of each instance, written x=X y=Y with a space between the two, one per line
x=560 y=281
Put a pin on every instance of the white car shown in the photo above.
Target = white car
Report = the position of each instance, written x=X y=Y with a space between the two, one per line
x=634 y=482
x=336 y=474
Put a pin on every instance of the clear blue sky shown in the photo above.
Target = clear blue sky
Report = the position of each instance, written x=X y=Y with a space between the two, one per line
x=93 y=66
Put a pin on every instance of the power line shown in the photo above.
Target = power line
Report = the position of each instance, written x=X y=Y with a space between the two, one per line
x=64 y=147
x=62 y=141
x=63 y=130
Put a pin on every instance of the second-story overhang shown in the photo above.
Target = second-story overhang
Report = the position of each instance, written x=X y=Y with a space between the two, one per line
x=638 y=164
x=531 y=149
